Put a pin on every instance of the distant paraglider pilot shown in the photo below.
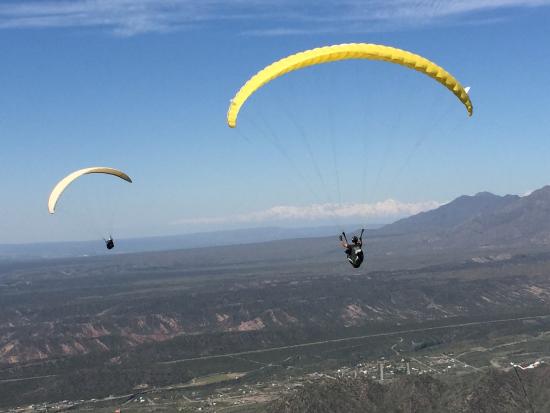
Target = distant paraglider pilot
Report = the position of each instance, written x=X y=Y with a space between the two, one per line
x=354 y=251
x=109 y=243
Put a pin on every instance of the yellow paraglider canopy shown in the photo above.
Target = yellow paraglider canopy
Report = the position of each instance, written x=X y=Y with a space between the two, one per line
x=345 y=52
x=65 y=182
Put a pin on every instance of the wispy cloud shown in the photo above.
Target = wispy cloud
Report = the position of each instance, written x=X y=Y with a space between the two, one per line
x=257 y=17
x=318 y=212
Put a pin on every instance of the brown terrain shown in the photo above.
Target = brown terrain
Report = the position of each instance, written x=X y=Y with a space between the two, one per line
x=104 y=325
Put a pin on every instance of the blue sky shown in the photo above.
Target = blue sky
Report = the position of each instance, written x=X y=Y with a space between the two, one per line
x=144 y=86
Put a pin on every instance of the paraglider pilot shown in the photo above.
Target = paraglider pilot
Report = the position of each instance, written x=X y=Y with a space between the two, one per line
x=354 y=251
x=109 y=243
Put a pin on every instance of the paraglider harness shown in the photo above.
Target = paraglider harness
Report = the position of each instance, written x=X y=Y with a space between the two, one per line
x=354 y=251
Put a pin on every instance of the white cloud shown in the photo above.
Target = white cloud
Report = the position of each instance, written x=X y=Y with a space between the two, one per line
x=265 y=17
x=318 y=212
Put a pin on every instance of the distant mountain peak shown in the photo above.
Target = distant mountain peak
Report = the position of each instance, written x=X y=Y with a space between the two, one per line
x=486 y=194
x=543 y=192
x=483 y=220
x=451 y=214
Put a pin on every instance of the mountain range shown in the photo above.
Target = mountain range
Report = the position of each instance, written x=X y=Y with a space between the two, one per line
x=484 y=221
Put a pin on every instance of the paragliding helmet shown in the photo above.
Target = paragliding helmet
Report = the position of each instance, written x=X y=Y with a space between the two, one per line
x=355 y=240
